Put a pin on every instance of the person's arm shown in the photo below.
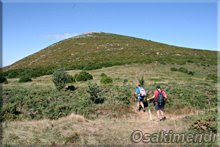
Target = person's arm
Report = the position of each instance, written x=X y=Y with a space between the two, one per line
x=137 y=91
x=151 y=97
x=165 y=95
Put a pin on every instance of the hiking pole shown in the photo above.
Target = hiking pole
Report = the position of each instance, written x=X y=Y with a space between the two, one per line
x=150 y=114
x=149 y=110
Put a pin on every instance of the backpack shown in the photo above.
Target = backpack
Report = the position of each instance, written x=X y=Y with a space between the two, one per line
x=160 y=98
x=142 y=92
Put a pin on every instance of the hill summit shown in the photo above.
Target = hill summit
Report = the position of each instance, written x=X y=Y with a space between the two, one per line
x=97 y=49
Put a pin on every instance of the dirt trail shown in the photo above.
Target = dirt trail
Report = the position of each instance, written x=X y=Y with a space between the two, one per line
x=123 y=127
x=142 y=119
x=98 y=131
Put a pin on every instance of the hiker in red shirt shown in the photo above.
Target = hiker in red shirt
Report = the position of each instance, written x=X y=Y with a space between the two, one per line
x=160 y=98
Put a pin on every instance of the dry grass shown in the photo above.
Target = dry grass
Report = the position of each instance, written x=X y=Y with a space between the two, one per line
x=75 y=129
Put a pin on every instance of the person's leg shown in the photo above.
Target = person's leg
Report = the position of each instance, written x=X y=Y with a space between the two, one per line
x=161 y=112
x=142 y=104
x=158 y=114
x=138 y=106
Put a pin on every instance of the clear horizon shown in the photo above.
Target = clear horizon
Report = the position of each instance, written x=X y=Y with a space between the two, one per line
x=28 y=28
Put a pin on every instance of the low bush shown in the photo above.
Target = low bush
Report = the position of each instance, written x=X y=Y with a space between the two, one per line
x=83 y=76
x=125 y=81
x=121 y=94
x=103 y=75
x=3 y=79
x=12 y=74
x=190 y=61
x=205 y=123
x=106 y=80
x=35 y=72
x=173 y=69
x=191 y=73
x=25 y=78
x=38 y=103
x=183 y=70
x=141 y=81
x=60 y=78
x=212 y=77
x=71 y=88
x=191 y=96
x=95 y=93
x=70 y=79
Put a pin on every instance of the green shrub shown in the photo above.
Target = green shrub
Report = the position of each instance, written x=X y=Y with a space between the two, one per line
x=173 y=69
x=92 y=66
x=122 y=93
x=70 y=79
x=95 y=92
x=13 y=74
x=141 y=81
x=106 y=80
x=25 y=78
x=71 y=88
x=191 y=73
x=35 y=72
x=182 y=69
x=103 y=75
x=190 y=61
x=162 y=62
x=125 y=81
x=3 y=79
x=212 y=77
x=38 y=103
x=83 y=76
x=206 y=122
x=60 y=78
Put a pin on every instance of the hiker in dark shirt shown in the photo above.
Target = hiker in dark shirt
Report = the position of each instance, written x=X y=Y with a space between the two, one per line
x=160 y=98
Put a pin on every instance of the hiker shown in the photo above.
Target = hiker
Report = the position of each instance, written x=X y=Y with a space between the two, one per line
x=141 y=93
x=160 y=99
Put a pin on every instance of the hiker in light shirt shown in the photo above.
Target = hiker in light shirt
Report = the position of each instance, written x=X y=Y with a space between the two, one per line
x=141 y=93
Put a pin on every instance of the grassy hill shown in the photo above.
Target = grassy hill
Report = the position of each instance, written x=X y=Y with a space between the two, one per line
x=35 y=112
x=97 y=50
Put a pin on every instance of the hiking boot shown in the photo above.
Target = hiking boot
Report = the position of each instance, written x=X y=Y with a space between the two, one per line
x=144 y=110
x=163 y=118
x=138 y=109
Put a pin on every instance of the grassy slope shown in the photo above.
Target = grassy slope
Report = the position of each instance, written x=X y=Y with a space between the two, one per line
x=75 y=129
x=108 y=129
x=96 y=50
x=113 y=122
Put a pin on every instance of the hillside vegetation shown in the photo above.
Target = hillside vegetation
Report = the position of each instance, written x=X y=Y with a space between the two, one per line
x=97 y=50
x=90 y=99
x=27 y=106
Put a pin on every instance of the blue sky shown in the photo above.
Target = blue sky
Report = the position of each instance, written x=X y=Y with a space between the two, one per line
x=30 y=27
